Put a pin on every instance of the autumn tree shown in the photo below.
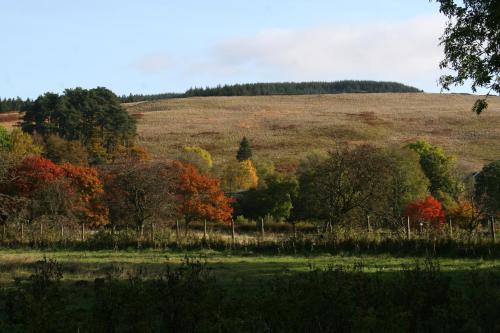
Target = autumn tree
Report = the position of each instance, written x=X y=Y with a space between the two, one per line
x=239 y=176
x=244 y=151
x=140 y=192
x=55 y=190
x=87 y=191
x=201 y=196
x=428 y=211
x=198 y=157
x=59 y=150
x=22 y=145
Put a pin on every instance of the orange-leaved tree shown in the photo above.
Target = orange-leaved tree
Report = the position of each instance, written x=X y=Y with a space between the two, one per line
x=201 y=196
x=87 y=190
x=58 y=190
x=428 y=210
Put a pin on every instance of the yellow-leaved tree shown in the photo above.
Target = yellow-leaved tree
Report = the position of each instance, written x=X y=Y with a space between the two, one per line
x=197 y=157
x=239 y=176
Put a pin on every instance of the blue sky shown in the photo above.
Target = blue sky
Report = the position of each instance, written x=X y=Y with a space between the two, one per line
x=162 y=46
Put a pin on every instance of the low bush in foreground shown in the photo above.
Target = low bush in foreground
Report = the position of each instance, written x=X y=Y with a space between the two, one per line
x=420 y=298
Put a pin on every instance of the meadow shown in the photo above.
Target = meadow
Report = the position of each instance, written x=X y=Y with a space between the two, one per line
x=284 y=129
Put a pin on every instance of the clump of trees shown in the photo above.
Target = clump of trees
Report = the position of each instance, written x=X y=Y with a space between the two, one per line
x=93 y=117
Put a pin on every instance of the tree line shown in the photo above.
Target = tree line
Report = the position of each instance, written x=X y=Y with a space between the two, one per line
x=74 y=158
x=14 y=104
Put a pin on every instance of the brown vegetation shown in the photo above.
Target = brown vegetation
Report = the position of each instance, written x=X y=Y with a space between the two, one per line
x=286 y=128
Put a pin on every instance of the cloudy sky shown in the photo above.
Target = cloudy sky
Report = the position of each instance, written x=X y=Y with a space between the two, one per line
x=158 y=46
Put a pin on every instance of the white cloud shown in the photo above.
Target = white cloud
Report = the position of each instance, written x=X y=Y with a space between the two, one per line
x=406 y=51
x=153 y=63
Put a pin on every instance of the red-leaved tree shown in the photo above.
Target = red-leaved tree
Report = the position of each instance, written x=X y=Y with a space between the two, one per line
x=87 y=190
x=52 y=189
x=428 y=210
x=201 y=196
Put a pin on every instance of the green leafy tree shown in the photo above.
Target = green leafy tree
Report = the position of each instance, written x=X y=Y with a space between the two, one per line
x=341 y=184
x=471 y=43
x=275 y=198
x=245 y=151
x=403 y=182
x=440 y=170
x=487 y=189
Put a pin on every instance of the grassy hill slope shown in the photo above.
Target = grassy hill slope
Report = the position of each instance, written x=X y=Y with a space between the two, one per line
x=286 y=128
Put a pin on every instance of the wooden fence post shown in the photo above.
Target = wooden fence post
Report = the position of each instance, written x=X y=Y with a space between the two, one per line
x=152 y=233
x=451 y=228
x=62 y=231
x=83 y=232
x=408 y=230
x=177 y=230
x=232 y=230
x=368 y=227
x=492 y=229
x=262 y=227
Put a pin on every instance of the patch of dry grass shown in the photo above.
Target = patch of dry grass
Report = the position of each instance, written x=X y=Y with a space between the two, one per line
x=286 y=128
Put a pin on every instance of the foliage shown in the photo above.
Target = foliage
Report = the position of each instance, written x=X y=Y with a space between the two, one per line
x=139 y=192
x=93 y=117
x=4 y=139
x=345 y=181
x=22 y=145
x=33 y=173
x=466 y=215
x=201 y=196
x=301 y=88
x=264 y=170
x=471 y=43
x=275 y=198
x=404 y=182
x=239 y=176
x=244 y=151
x=439 y=169
x=87 y=190
x=428 y=210
x=198 y=157
x=187 y=298
x=487 y=191
x=13 y=104
x=59 y=150
x=58 y=190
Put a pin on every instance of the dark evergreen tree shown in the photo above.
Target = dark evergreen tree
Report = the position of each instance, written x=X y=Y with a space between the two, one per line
x=245 y=151
x=94 y=117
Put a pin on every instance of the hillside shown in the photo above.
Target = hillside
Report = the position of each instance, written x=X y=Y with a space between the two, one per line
x=286 y=128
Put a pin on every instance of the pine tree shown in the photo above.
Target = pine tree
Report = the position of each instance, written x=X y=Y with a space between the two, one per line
x=245 y=151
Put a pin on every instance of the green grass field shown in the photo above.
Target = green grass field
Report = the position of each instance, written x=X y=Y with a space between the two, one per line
x=226 y=266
